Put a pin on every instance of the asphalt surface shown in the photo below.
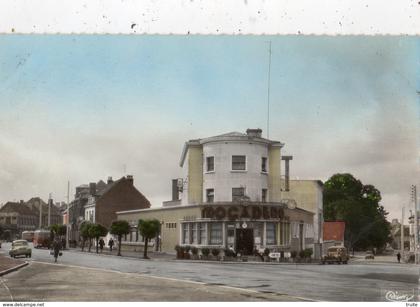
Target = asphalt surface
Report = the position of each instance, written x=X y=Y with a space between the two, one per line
x=357 y=281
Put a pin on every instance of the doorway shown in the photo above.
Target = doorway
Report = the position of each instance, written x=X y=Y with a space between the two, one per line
x=244 y=241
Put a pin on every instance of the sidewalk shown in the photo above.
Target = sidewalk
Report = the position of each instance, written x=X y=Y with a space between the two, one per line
x=153 y=255
x=8 y=264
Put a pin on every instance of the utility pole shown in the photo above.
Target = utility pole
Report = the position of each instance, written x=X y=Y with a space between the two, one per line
x=68 y=215
x=40 y=214
x=49 y=210
x=268 y=91
x=416 y=223
x=402 y=234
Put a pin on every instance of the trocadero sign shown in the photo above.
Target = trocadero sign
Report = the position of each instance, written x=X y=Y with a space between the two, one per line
x=236 y=212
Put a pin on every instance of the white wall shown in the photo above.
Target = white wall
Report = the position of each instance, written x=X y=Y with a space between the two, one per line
x=223 y=179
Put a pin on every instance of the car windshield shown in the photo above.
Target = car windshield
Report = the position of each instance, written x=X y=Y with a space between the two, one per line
x=19 y=243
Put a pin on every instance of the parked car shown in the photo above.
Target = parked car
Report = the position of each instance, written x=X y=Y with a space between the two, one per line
x=20 y=248
x=336 y=254
x=369 y=255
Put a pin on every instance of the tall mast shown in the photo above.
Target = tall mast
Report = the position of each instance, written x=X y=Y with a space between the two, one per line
x=268 y=90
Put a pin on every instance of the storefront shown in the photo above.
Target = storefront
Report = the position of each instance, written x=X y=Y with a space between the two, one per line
x=242 y=227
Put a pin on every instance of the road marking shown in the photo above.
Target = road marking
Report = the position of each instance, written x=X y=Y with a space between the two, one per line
x=7 y=288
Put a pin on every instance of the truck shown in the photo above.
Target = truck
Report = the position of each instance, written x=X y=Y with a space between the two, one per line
x=28 y=235
x=336 y=254
x=42 y=238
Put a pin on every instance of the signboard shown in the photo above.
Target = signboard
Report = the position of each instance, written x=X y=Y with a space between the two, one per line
x=237 y=212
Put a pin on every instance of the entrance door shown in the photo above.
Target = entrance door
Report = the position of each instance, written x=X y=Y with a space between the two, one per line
x=245 y=241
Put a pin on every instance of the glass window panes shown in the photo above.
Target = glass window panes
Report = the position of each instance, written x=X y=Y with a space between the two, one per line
x=264 y=164
x=270 y=233
x=185 y=234
x=193 y=233
x=216 y=233
x=210 y=195
x=210 y=164
x=264 y=195
x=238 y=163
x=237 y=193
x=202 y=233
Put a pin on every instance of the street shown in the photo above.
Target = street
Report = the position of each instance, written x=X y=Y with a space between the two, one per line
x=357 y=281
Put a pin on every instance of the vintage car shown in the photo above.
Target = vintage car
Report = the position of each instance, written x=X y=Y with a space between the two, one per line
x=369 y=255
x=336 y=254
x=20 y=248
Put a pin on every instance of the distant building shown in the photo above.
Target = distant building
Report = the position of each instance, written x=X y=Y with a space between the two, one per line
x=396 y=236
x=99 y=202
x=16 y=217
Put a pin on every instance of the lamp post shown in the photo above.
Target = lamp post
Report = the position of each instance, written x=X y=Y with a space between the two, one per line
x=68 y=215
x=416 y=223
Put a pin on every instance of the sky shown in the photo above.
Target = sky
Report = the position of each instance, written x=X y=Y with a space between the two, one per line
x=80 y=108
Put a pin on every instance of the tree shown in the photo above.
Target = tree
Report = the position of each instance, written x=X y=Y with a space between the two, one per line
x=148 y=229
x=347 y=199
x=96 y=231
x=120 y=228
x=84 y=232
x=58 y=230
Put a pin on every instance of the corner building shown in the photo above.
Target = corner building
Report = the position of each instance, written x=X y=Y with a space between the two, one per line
x=229 y=196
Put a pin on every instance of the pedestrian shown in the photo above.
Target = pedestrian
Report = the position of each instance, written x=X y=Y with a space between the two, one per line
x=101 y=244
x=110 y=244
x=56 y=249
x=399 y=257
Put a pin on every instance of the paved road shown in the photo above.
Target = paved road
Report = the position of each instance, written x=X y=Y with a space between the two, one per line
x=352 y=282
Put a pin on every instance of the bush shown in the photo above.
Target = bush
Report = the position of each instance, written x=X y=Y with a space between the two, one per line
x=302 y=254
x=293 y=254
x=205 y=251
x=215 y=252
x=308 y=252
x=194 y=250
x=187 y=248
x=178 y=248
x=266 y=252
x=229 y=253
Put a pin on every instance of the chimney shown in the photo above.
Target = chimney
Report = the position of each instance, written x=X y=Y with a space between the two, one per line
x=130 y=179
x=287 y=172
x=175 y=190
x=109 y=181
x=92 y=188
x=21 y=202
x=255 y=133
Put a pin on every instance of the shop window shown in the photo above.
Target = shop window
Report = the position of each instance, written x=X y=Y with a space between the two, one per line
x=210 y=164
x=216 y=233
x=238 y=163
x=202 y=233
x=210 y=195
x=237 y=193
x=264 y=164
x=270 y=234
x=193 y=227
x=264 y=195
x=185 y=233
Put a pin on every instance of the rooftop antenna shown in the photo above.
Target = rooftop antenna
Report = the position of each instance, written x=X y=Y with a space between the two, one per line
x=268 y=90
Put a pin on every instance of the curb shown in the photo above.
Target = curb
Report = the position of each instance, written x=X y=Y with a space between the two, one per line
x=14 y=268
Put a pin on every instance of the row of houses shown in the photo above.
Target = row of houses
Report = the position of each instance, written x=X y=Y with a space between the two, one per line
x=16 y=217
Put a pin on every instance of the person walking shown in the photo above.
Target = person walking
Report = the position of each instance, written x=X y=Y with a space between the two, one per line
x=110 y=244
x=101 y=244
x=399 y=257
x=56 y=248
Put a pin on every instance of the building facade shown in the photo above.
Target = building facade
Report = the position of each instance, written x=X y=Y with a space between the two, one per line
x=230 y=196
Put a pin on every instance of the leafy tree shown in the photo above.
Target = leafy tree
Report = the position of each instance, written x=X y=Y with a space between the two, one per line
x=58 y=230
x=148 y=229
x=96 y=231
x=347 y=199
x=84 y=232
x=120 y=228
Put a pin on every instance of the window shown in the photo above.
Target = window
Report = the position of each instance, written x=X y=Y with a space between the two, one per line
x=216 y=233
x=270 y=233
x=264 y=164
x=237 y=193
x=210 y=195
x=210 y=164
x=264 y=195
x=238 y=163
x=185 y=233
x=202 y=236
x=193 y=227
